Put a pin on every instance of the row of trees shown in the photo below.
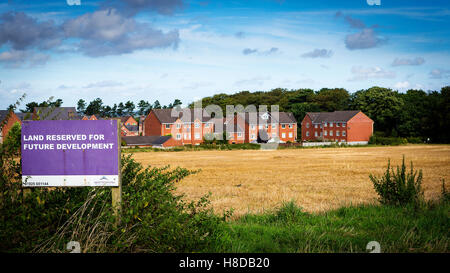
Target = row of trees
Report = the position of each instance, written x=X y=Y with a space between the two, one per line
x=415 y=113
x=96 y=107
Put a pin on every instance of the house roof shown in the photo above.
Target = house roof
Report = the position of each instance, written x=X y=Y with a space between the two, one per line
x=57 y=113
x=132 y=128
x=145 y=140
x=336 y=116
x=24 y=116
x=3 y=114
x=165 y=115
x=283 y=117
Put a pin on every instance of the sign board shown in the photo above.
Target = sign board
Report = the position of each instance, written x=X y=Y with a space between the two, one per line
x=70 y=153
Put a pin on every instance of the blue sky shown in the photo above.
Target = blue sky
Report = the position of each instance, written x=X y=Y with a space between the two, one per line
x=122 y=50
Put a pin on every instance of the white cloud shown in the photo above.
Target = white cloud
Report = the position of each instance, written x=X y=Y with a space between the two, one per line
x=360 y=73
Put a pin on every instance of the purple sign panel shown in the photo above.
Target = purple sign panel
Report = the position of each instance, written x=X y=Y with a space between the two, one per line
x=58 y=153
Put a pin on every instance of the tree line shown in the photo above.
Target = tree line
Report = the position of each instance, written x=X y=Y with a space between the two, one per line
x=415 y=113
x=97 y=107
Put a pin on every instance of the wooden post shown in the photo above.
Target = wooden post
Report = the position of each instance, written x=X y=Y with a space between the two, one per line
x=117 y=191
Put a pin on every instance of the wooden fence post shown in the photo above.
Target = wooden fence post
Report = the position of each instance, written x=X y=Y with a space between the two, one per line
x=117 y=191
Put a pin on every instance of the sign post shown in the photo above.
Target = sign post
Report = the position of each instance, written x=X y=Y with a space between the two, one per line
x=72 y=153
x=117 y=191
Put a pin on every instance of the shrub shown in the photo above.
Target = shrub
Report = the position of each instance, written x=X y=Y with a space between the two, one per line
x=414 y=140
x=387 y=140
x=399 y=187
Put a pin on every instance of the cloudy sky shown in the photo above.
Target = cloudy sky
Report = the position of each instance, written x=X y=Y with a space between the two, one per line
x=122 y=50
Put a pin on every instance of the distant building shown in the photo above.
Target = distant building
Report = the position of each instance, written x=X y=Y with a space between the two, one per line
x=93 y=117
x=55 y=113
x=268 y=127
x=7 y=120
x=352 y=127
x=185 y=129
x=129 y=126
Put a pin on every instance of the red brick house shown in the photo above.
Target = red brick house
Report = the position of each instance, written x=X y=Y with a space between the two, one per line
x=129 y=126
x=186 y=126
x=7 y=120
x=352 y=127
x=93 y=117
x=268 y=127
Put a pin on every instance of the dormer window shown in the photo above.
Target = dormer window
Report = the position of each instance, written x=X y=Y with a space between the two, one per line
x=265 y=116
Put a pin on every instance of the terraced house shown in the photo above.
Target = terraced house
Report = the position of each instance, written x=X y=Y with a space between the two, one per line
x=268 y=127
x=352 y=127
x=185 y=126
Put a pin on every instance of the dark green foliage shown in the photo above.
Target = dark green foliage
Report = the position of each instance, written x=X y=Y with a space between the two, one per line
x=378 y=140
x=399 y=187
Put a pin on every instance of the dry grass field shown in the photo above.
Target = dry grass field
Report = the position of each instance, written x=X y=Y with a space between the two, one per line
x=317 y=179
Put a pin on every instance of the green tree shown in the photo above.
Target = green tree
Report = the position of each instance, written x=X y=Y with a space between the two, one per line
x=330 y=100
x=382 y=105
x=156 y=105
x=129 y=108
x=81 y=106
x=120 y=109
x=94 y=107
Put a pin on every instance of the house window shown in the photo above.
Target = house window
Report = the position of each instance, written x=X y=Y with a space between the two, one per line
x=197 y=136
x=178 y=136
x=187 y=136
x=239 y=135
x=307 y=125
x=284 y=126
x=315 y=134
x=343 y=133
x=197 y=125
x=337 y=133
x=307 y=133
x=320 y=134
x=230 y=136
x=274 y=125
x=167 y=126
x=343 y=124
x=326 y=124
x=274 y=134
x=331 y=124
x=283 y=135
x=315 y=126
x=267 y=126
x=290 y=135
x=253 y=127
x=260 y=126
x=325 y=133
x=290 y=126
x=337 y=124
x=331 y=133
x=178 y=126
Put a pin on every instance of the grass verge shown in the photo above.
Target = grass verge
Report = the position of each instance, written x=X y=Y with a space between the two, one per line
x=348 y=229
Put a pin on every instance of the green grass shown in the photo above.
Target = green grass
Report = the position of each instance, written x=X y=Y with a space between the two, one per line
x=347 y=229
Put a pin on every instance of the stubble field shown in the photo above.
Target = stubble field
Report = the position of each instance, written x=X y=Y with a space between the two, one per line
x=316 y=179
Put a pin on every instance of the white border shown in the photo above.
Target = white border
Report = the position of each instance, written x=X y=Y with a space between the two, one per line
x=70 y=181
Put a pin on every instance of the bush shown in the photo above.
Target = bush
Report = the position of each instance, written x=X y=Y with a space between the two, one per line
x=400 y=187
x=415 y=140
x=387 y=140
